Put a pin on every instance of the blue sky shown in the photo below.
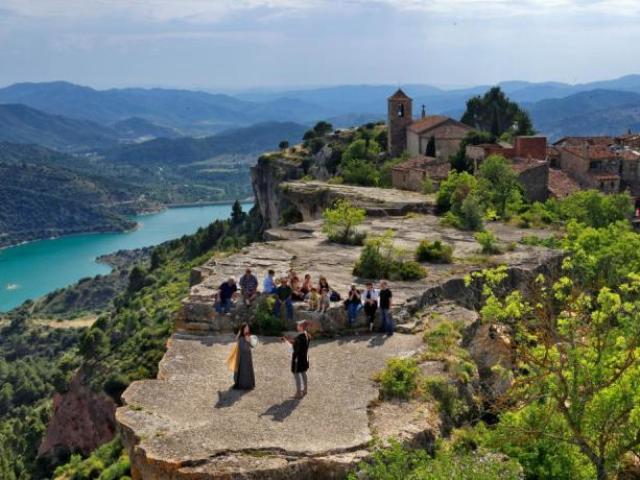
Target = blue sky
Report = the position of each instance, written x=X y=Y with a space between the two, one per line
x=234 y=44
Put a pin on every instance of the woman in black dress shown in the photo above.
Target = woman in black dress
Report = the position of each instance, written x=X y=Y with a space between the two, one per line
x=244 y=378
x=300 y=358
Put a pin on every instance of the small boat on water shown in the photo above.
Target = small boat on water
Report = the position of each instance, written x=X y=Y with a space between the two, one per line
x=12 y=286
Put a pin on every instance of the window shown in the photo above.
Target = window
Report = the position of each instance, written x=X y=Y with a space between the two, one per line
x=595 y=164
x=400 y=111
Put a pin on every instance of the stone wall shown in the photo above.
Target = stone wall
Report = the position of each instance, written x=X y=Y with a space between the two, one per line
x=536 y=182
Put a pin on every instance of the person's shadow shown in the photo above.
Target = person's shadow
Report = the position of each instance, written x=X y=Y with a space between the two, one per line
x=228 y=398
x=280 y=411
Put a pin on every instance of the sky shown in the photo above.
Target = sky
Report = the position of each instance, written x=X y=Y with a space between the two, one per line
x=242 y=44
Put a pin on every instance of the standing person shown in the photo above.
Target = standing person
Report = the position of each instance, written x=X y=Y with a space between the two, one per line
x=385 y=308
x=269 y=283
x=300 y=358
x=283 y=295
x=249 y=286
x=354 y=304
x=226 y=292
x=370 y=298
x=244 y=377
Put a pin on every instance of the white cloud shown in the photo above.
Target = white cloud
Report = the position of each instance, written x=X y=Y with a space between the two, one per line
x=150 y=10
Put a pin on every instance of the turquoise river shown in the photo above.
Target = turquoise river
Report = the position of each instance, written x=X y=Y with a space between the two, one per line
x=34 y=269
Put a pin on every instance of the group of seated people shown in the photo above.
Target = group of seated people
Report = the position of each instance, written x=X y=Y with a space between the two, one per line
x=288 y=288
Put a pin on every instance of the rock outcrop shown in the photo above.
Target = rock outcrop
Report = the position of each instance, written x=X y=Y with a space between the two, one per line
x=81 y=421
x=189 y=424
x=304 y=248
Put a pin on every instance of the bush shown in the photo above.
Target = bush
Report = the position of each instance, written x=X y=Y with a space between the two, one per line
x=266 y=323
x=399 y=378
x=434 y=252
x=454 y=190
x=407 y=270
x=115 y=385
x=357 y=171
x=340 y=223
x=470 y=216
x=488 y=243
x=380 y=259
x=428 y=186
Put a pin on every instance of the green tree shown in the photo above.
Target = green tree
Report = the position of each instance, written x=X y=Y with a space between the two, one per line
x=323 y=128
x=498 y=185
x=494 y=112
x=283 y=145
x=340 y=222
x=237 y=214
x=578 y=356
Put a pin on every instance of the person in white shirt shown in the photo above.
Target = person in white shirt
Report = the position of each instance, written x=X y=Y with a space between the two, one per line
x=370 y=299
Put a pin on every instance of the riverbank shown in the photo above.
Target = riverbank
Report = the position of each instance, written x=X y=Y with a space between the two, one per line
x=37 y=268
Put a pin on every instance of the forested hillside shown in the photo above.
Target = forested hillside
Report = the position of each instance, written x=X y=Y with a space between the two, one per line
x=122 y=346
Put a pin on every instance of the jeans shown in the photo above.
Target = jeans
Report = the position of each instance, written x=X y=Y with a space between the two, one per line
x=224 y=304
x=288 y=306
x=352 y=311
x=301 y=381
x=387 y=321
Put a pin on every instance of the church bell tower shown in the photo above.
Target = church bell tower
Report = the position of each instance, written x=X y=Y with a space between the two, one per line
x=399 y=117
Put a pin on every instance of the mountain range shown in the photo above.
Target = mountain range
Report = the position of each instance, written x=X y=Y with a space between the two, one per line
x=131 y=115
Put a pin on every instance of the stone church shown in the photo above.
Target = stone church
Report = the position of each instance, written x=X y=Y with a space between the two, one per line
x=413 y=136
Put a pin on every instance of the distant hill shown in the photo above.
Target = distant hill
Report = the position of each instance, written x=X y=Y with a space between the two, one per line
x=596 y=112
x=248 y=140
x=193 y=112
x=139 y=128
x=22 y=124
x=39 y=200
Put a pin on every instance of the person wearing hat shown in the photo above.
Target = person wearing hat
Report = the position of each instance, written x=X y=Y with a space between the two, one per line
x=300 y=358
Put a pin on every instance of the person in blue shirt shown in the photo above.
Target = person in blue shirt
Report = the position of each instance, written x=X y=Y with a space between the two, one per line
x=226 y=293
x=269 y=283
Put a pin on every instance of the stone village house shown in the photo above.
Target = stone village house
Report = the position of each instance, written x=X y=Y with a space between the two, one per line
x=527 y=155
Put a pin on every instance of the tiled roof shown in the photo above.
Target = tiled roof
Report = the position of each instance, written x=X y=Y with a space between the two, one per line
x=629 y=155
x=576 y=141
x=436 y=169
x=399 y=95
x=520 y=165
x=560 y=184
x=432 y=121
x=594 y=152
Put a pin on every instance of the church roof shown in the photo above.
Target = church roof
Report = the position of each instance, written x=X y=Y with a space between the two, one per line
x=399 y=95
x=432 y=121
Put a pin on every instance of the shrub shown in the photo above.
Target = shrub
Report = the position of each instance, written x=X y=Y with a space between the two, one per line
x=488 y=243
x=443 y=338
x=428 y=186
x=470 y=216
x=454 y=190
x=434 y=252
x=399 y=378
x=380 y=259
x=358 y=171
x=340 y=223
x=407 y=270
x=115 y=385
x=266 y=323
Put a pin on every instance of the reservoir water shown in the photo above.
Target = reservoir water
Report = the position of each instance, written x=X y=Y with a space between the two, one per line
x=34 y=269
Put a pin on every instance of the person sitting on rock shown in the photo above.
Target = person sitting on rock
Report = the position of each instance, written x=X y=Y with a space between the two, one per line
x=325 y=300
x=226 y=293
x=307 y=284
x=353 y=304
x=269 y=283
x=370 y=298
x=294 y=281
x=314 y=299
x=283 y=295
x=249 y=286
x=323 y=284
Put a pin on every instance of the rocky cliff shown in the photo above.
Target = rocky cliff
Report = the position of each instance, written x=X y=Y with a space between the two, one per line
x=81 y=421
